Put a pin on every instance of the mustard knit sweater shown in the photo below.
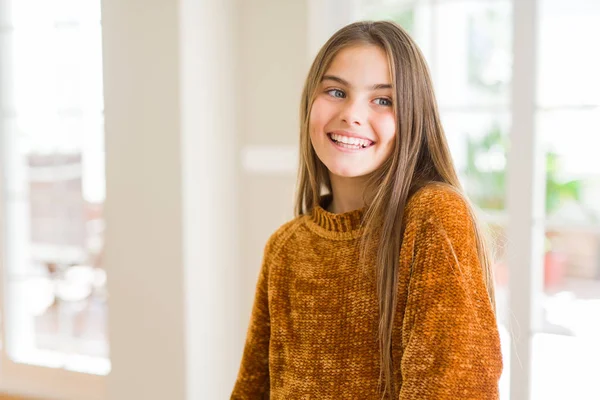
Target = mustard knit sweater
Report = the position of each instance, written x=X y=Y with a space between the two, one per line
x=314 y=321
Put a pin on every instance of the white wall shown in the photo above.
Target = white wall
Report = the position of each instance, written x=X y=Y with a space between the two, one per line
x=144 y=257
x=170 y=208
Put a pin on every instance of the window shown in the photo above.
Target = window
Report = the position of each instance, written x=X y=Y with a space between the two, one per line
x=468 y=45
x=54 y=307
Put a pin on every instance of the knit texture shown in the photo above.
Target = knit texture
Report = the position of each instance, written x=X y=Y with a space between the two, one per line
x=314 y=321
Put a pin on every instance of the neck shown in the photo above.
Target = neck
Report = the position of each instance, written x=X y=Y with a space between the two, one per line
x=348 y=193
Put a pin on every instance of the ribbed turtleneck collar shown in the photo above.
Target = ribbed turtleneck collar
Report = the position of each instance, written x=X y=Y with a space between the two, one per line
x=347 y=223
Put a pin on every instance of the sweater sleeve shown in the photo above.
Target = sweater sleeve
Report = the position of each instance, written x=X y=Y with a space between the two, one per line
x=450 y=338
x=253 y=376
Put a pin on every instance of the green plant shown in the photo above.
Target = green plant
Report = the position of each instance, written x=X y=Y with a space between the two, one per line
x=486 y=173
x=558 y=190
x=486 y=183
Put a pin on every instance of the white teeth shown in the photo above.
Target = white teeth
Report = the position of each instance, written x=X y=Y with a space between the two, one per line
x=349 y=146
x=350 y=141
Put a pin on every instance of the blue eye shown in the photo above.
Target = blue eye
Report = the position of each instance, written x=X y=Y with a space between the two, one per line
x=384 y=101
x=336 y=93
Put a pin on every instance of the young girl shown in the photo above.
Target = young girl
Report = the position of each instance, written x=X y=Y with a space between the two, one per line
x=381 y=286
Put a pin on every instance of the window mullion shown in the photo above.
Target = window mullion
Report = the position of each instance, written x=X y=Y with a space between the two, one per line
x=525 y=202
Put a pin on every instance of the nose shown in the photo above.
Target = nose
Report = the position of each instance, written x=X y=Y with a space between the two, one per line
x=353 y=113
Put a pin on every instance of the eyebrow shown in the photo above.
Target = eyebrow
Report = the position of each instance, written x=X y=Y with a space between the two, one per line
x=346 y=83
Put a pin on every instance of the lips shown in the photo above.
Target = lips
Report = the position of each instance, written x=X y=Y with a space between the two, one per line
x=349 y=134
x=345 y=147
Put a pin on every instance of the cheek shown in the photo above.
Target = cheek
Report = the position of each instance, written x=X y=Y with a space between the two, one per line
x=321 y=113
x=385 y=127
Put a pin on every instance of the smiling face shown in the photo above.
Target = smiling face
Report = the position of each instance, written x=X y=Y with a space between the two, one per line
x=352 y=123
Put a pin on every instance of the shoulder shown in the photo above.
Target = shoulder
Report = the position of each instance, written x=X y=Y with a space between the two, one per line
x=439 y=204
x=281 y=236
x=441 y=224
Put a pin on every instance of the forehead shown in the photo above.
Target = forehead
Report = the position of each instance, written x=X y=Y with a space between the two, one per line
x=361 y=65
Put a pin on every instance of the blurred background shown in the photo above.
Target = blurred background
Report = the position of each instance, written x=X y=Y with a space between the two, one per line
x=149 y=148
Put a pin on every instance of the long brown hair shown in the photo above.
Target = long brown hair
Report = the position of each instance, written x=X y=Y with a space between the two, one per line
x=420 y=156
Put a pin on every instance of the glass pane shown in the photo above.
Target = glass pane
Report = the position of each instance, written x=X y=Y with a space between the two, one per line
x=414 y=16
x=78 y=75
x=402 y=12
x=568 y=67
x=76 y=11
x=572 y=139
x=571 y=304
x=75 y=321
x=478 y=142
x=54 y=162
x=568 y=123
x=472 y=59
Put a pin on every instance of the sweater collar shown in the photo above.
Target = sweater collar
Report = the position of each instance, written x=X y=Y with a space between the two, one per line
x=346 y=222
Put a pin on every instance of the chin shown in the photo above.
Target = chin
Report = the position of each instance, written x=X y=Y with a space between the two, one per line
x=347 y=172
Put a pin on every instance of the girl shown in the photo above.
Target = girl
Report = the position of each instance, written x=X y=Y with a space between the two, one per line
x=381 y=286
